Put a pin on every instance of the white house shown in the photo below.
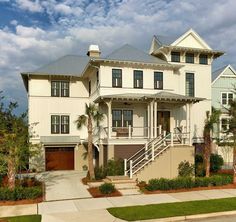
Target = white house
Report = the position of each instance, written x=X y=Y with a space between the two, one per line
x=154 y=105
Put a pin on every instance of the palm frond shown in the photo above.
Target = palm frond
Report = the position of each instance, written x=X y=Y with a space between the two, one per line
x=98 y=117
x=81 y=121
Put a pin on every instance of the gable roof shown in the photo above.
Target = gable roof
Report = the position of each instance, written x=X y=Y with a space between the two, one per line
x=130 y=53
x=66 y=65
x=165 y=40
x=217 y=73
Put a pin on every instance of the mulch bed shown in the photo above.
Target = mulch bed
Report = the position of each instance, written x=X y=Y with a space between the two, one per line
x=19 y=202
x=95 y=192
x=228 y=186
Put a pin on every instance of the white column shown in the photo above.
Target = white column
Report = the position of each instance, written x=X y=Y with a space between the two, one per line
x=109 y=119
x=155 y=119
x=151 y=119
x=148 y=120
x=189 y=123
x=125 y=167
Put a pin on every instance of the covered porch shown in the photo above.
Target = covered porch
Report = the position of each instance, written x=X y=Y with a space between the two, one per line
x=136 y=117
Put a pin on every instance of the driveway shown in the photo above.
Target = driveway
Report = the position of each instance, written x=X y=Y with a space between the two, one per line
x=64 y=185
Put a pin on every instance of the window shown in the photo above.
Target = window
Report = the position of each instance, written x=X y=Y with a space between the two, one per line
x=175 y=56
x=158 y=80
x=117 y=78
x=116 y=118
x=97 y=78
x=65 y=120
x=127 y=118
x=55 y=124
x=203 y=59
x=89 y=89
x=122 y=118
x=138 y=79
x=60 y=124
x=189 y=84
x=60 y=88
x=224 y=124
x=189 y=58
x=226 y=98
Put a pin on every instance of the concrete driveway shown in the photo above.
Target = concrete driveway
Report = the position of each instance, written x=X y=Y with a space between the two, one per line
x=64 y=185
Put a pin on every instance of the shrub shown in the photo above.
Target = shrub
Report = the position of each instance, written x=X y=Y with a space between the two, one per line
x=20 y=193
x=216 y=162
x=199 y=166
x=186 y=169
x=100 y=173
x=107 y=188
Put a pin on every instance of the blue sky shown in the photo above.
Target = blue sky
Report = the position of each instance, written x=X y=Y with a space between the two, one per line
x=35 y=32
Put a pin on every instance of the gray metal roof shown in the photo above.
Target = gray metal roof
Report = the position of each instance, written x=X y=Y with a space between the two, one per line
x=161 y=96
x=47 y=140
x=217 y=72
x=130 y=53
x=67 y=65
x=165 y=40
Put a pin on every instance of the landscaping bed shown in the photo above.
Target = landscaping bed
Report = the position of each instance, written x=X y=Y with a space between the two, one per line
x=155 y=211
x=96 y=193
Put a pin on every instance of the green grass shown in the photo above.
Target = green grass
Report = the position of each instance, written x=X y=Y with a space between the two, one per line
x=155 y=211
x=30 y=218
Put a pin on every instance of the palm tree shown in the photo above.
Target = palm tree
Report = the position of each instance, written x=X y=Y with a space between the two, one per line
x=210 y=121
x=91 y=115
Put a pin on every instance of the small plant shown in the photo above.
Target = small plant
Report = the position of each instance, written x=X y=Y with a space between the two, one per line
x=216 y=162
x=85 y=167
x=107 y=188
x=186 y=169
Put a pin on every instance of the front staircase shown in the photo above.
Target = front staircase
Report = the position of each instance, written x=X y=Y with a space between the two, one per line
x=150 y=152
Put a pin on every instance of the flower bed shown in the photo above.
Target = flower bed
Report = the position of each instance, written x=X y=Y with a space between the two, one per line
x=96 y=193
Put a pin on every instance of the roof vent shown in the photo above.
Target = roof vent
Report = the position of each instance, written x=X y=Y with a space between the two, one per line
x=94 y=51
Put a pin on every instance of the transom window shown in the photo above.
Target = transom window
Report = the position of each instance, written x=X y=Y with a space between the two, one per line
x=122 y=118
x=203 y=59
x=227 y=98
x=175 y=56
x=60 y=88
x=117 y=78
x=138 y=79
x=189 y=84
x=158 y=80
x=189 y=58
x=60 y=124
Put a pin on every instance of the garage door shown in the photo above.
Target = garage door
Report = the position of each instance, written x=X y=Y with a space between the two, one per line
x=59 y=158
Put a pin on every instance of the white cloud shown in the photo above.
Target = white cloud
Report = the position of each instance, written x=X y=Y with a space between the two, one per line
x=32 y=6
x=14 y=22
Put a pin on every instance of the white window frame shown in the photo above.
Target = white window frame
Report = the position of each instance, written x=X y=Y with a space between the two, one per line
x=227 y=98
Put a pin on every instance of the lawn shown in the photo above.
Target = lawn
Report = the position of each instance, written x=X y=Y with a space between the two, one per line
x=155 y=211
x=30 y=218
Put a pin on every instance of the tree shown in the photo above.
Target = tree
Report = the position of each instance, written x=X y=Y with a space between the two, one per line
x=208 y=128
x=14 y=139
x=91 y=115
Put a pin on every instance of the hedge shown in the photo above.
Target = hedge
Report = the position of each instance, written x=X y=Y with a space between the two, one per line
x=20 y=193
x=107 y=188
x=187 y=182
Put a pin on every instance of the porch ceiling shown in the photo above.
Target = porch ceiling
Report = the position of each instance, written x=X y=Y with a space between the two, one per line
x=161 y=97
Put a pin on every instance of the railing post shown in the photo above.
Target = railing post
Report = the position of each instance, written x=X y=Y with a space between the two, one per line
x=146 y=148
x=171 y=139
x=164 y=135
x=131 y=169
x=125 y=167
x=129 y=132
x=152 y=151
x=159 y=130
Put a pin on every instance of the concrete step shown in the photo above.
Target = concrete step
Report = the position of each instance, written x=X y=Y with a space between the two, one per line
x=115 y=178
x=128 y=192
x=125 y=186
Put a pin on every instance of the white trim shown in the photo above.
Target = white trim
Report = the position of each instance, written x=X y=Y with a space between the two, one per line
x=222 y=73
x=197 y=37
x=227 y=98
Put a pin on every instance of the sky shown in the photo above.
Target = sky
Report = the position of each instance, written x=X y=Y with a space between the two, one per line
x=36 y=32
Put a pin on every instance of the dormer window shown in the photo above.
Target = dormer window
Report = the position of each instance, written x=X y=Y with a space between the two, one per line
x=117 y=78
x=175 y=56
x=138 y=79
x=189 y=58
x=203 y=59
x=60 y=89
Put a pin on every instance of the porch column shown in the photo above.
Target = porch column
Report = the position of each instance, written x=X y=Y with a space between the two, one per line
x=151 y=119
x=190 y=122
x=148 y=120
x=155 y=119
x=109 y=119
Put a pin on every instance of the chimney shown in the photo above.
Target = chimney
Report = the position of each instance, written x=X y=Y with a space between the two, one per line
x=94 y=51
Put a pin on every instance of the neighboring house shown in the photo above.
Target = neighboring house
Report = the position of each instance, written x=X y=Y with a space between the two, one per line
x=223 y=85
x=154 y=105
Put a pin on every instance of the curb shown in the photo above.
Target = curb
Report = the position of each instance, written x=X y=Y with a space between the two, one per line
x=191 y=217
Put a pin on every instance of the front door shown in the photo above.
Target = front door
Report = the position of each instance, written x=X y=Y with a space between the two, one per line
x=163 y=119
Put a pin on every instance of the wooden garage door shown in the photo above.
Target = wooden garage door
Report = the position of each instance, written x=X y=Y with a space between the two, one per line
x=59 y=158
